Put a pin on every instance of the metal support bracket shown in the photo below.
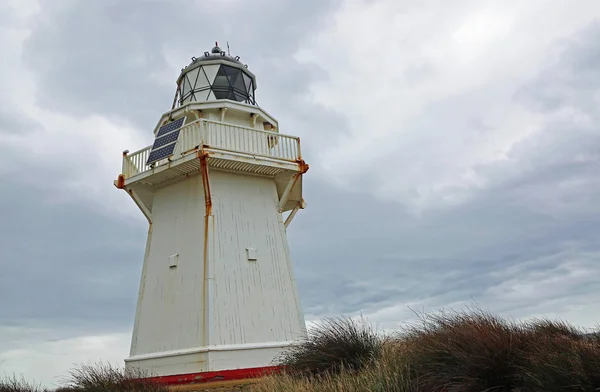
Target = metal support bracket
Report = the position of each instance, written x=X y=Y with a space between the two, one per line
x=223 y=110
x=288 y=220
x=288 y=189
x=141 y=205
x=197 y=113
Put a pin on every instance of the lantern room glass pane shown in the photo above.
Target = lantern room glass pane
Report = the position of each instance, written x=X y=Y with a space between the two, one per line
x=221 y=80
x=211 y=72
x=239 y=96
x=202 y=95
x=239 y=84
x=201 y=80
x=247 y=82
x=186 y=86
x=231 y=72
x=191 y=78
x=221 y=93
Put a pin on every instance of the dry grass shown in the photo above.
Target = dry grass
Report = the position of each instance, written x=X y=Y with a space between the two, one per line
x=387 y=373
x=561 y=357
x=452 y=352
x=465 y=352
x=92 y=378
x=105 y=378
x=470 y=351
x=338 y=344
x=13 y=384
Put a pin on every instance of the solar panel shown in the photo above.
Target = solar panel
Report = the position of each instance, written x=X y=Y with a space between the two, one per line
x=161 y=153
x=170 y=126
x=166 y=139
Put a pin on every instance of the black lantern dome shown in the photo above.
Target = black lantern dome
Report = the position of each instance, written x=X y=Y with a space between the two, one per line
x=216 y=75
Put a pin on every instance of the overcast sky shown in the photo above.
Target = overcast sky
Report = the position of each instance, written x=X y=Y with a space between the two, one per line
x=454 y=151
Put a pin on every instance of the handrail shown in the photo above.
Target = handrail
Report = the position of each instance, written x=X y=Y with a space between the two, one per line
x=248 y=128
x=221 y=136
x=252 y=141
x=135 y=163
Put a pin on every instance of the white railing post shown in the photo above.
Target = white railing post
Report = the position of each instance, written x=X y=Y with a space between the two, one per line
x=125 y=166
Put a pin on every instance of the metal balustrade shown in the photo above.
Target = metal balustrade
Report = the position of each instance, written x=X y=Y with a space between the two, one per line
x=220 y=136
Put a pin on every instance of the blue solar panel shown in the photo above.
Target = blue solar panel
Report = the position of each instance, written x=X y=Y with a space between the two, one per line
x=168 y=138
x=161 y=153
x=170 y=126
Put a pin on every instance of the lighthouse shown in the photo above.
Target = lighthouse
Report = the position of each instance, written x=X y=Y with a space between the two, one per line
x=219 y=186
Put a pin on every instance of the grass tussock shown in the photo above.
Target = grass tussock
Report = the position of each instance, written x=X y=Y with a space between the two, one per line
x=465 y=352
x=92 y=378
x=340 y=344
x=105 y=378
x=469 y=351
x=13 y=384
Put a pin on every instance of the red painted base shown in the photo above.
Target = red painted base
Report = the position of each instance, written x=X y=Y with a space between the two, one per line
x=222 y=375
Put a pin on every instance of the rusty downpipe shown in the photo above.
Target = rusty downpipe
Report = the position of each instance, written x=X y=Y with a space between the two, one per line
x=202 y=156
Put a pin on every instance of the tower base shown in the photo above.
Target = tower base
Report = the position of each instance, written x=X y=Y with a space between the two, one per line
x=217 y=379
x=231 y=361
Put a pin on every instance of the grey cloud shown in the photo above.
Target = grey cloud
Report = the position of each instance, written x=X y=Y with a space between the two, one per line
x=104 y=57
x=539 y=212
x=99 y=58
x=478 y=125
x=284 y=92
x=15 y=122
x=351 y=252
x=572 y=80
x=65 y=265
x=417 y=73
x=6 y=15
x=399 y=260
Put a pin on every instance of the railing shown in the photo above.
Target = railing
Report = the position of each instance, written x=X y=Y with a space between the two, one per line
x=221 y=136
x=135 y=163
x=250 y=141
x=190 y=137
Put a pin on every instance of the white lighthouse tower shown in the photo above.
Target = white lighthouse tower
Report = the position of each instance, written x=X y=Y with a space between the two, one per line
x=219 y=186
